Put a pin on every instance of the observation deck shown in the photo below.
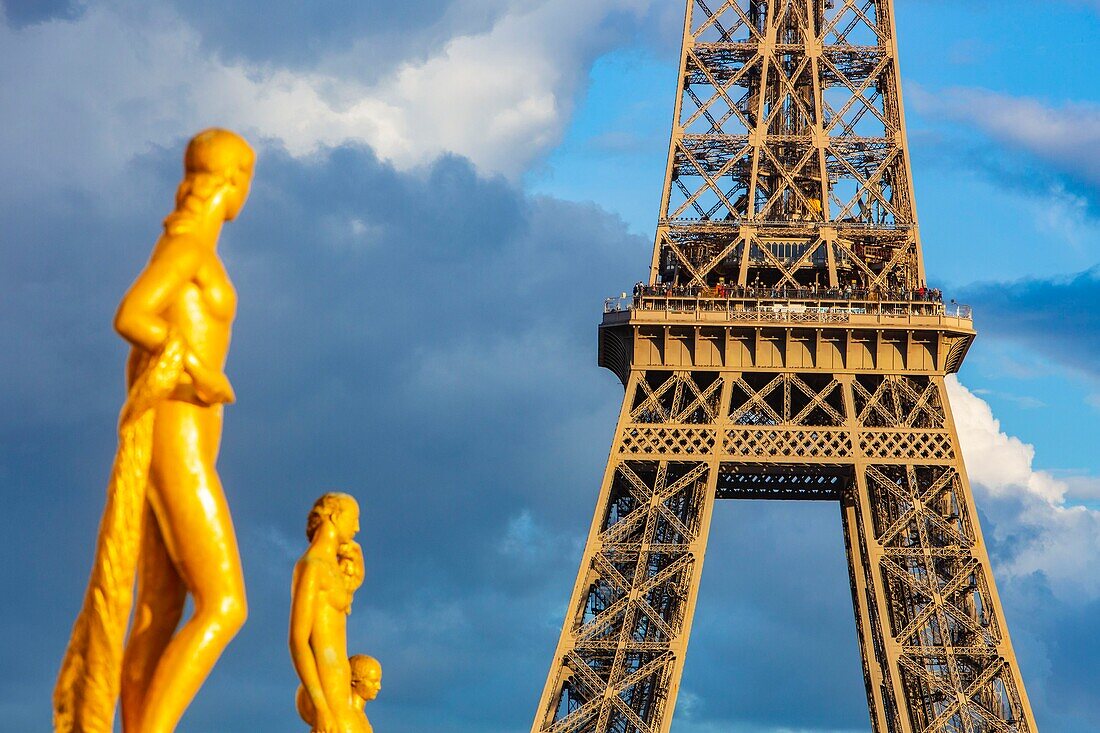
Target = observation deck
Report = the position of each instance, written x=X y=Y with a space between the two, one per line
x=841 y=330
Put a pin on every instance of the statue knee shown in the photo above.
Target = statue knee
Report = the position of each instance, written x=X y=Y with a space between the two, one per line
x=234 y=612
x=228 y=613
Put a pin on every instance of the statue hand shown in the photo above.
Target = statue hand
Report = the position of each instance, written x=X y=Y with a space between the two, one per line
x=216 y=390
x=351 y=553
x=325 y=723
x=211 y=385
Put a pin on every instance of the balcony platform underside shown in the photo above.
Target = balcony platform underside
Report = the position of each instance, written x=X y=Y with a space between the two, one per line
x=772 y=338
x=790 y=482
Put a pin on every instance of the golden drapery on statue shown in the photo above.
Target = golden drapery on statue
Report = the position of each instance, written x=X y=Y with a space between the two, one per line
x=88 y=685
x=166 y=525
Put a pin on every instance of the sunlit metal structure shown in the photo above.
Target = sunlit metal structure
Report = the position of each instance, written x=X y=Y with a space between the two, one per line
x=786 y=347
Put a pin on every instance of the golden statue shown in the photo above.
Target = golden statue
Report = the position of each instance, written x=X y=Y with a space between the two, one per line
x=325 y=580
x=366 y=683
x=166 y=520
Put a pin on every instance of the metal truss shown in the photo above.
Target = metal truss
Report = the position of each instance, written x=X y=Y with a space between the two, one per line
x=752 y=372
x=788 y=161
x=937 y=656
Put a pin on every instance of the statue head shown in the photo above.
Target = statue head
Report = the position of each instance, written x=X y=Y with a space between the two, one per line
x=366 y=676
x=217 y=167
x=341 y=510
x=225 y=155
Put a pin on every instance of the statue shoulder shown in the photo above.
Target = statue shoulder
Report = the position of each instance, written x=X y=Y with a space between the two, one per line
x=181 y=251
x=320 y=568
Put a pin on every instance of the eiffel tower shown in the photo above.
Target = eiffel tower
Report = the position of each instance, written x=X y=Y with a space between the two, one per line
x=786 y=347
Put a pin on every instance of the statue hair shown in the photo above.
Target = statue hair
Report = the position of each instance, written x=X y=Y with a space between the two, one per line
x=215 y=158
x=324 y=508
x=361 y=665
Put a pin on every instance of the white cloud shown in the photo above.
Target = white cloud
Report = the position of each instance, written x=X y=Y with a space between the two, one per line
x=1066 y=135
x=1034 y=527
x=80 y=98
x=1083 y=488
x=1002 y=464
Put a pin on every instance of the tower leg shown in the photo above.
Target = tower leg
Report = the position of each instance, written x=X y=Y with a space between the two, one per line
x=928 y=616
x=936 y=653
x=881 y=699
x=621 y=652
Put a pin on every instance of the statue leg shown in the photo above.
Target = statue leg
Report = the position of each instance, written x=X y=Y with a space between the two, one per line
x=193 y=516
x=157 y=612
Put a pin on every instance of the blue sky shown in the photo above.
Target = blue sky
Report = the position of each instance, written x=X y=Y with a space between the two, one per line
x=447 y=189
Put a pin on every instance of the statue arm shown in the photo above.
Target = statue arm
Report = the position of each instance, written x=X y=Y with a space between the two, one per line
x=303 y=598
x=138 y=320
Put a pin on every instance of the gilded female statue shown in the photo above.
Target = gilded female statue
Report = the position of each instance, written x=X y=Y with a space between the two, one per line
x=166 y=519
x=325 y=580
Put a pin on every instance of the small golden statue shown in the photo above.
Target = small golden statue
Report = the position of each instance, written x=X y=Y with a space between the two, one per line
x=166 y=520
x=332 y=694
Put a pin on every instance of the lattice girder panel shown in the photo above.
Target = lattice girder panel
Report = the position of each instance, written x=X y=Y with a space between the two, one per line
x=801 y=415
x=939 y=658
x=718 y=78
x=726 y=21
x=788 y=182
x=789 y=113
x=811 y=446
x=787 y=398
x=879 y=259
x=644 y=440
x=856 y=23
x=702 y=252
x=634 y=597
x=907 y=445
x=865 y=174
x=896 y=401
x=677 y=397
x=709 y=181
x=796 y=255
x=855 y=97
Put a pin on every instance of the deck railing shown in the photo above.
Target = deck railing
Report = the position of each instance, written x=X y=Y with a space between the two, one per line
x=807 y=308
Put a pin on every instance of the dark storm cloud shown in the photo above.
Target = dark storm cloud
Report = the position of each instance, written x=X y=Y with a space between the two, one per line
x=366 y=40
x=1056 y=317
x=21 y=13
x=293 y=33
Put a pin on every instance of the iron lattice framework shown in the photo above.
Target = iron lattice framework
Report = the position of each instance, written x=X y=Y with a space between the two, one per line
x=788 y=162
x=786 y=347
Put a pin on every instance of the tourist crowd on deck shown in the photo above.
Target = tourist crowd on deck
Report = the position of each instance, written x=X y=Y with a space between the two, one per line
x=804 y=292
